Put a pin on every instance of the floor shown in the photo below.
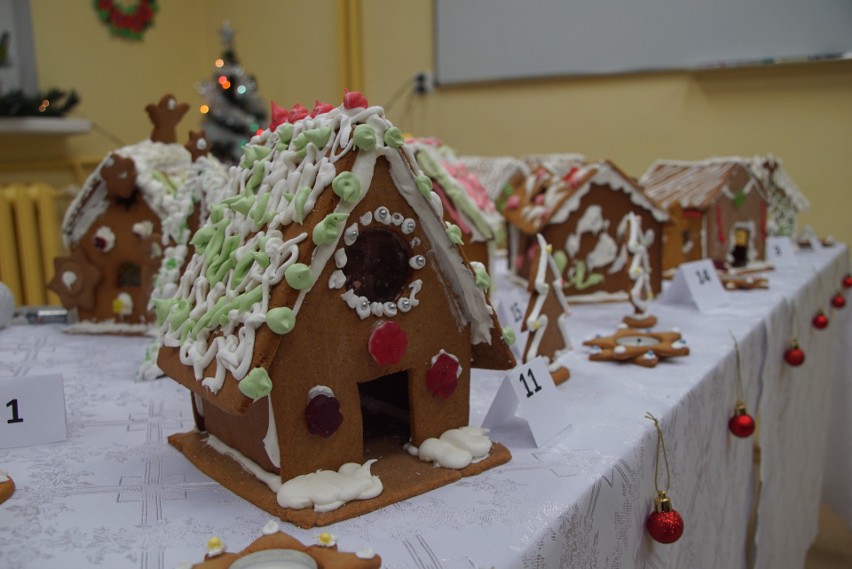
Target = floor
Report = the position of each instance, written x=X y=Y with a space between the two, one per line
x=833 y=546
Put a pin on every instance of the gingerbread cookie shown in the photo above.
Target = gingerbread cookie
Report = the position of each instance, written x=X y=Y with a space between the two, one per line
x=165 y=116
x=641 y=348
x=7 y=486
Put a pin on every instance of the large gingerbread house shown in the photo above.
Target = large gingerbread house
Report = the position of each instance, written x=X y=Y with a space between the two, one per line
x=135 y=206
x=465 y=201
x=723 y=208
x=584 y=215
x=325 y=289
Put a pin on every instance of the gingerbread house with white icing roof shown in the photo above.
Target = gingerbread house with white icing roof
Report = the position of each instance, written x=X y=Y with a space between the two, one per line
x=127 y=229
x=584 y=214
x=465 y=201
x=325 y=290
x=723 y=205
x=785 y=200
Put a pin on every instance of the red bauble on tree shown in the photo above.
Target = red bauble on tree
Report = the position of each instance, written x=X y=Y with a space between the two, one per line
x=847 y=281
x=795 y=356
x=741 y=424
x=838 y=300
x=820 y=320
x=664 y=524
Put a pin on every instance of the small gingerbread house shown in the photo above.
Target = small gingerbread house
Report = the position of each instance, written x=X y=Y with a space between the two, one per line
x=723 y=208
x=134 y=205
x=584 y=215
x=785 y=199
x=327 y=288
x=465 y=201
x=499 y=175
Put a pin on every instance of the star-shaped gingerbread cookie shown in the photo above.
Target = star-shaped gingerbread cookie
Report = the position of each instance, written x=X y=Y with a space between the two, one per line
x=641 y=348
x=75 y=280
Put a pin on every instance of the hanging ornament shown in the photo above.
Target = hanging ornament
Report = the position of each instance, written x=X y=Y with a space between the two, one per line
x=741 y=424
x=847 y=281
x=838 y=300
x=794 y=355
x=664 y=524
x=820 y=320
x=125 y=18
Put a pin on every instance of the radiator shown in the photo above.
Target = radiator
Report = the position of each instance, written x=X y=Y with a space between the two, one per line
x=29 y=240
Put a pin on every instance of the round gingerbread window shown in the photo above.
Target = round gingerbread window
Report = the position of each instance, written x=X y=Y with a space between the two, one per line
x=377 y=265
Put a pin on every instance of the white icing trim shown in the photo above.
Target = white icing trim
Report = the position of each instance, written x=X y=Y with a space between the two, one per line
x=456 y=448
x=270 y=440
x=273 y=481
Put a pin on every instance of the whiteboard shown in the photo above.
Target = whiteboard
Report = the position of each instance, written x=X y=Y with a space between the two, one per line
x=486 y=40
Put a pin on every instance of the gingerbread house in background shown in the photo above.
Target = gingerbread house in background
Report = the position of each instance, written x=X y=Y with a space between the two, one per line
x=723 y=208
x=584 y=215
x=134 y=205
x=785 y=200
x=465 y=201
x=327 y=302
x=499 y=175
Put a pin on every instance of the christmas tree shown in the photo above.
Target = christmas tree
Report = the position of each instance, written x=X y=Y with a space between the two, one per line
x=233 y=110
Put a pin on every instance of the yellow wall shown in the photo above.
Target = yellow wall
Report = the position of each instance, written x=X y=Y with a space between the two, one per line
x=800 y=113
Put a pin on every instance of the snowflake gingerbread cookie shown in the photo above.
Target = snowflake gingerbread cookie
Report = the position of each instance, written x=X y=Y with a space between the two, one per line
x=641 y=348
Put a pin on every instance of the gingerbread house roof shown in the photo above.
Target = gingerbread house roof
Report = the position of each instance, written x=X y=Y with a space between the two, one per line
x=771 y=173
x=495 y=172
x=551 y=198
x=260 y=253
x=463 y=196
x=560 y=164
x=695 y=185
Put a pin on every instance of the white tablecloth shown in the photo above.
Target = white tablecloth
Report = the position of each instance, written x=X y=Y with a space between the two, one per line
x=116 y=494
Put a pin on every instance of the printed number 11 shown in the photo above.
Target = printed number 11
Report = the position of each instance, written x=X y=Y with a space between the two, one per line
x=534 y=382
x=15 y=418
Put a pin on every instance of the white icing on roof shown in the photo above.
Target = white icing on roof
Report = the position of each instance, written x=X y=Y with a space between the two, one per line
x=494 y=172
x=771 y=173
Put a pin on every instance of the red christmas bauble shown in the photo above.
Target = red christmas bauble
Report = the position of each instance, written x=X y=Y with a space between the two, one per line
x=742 y=424
x=820 y=321
x=794 y=356
x=665 y=527
x=442 y=378
x=838 y=301
x=847 y=281
x=388 y=343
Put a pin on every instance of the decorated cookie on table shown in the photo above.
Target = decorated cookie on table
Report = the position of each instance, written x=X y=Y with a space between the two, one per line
x=7 y=486
x=275 y=548
x=640 y=293
x=643 y=348
x=546 y=317
x=743 y=282
x=128 y=228
x=327 y=322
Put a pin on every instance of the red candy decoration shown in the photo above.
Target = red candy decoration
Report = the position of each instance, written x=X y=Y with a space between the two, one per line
x=442 y=378
x=320 y=108
x=388 y=343
x=820 y=320
x=322 y=415
x=664 y=524
x=354 y=99
x=847 y=281
x=741 y=424
x=794 y=355
x=278 y=114
x=297 y=113
x=838 y=301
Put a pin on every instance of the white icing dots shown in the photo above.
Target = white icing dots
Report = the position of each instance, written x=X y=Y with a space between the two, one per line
x=104 y=239
x=123 y=304
x=69 y=279
x=327 y=490
x=143 y=229
x=456 y=448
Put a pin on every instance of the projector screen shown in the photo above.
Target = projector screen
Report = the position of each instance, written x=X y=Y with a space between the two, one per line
x=491 y=40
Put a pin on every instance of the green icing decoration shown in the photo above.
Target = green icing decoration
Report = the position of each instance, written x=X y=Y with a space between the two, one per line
x=260 y=215
x=581 y=281
x=249 y=156
x=481 y=278
x=162 y=307
x=164 y=179
x=256 y=384
x=393 y=137
x=739 y=199
x=347 y=186
x=202 y=236
x=364 y=137
x=247 y=299
x=454 y=233
x=424 y=185
x=326 y=230
x=561 y=260
x=281 y=320
x=180 y=313
x=258 y=171
x=300 y=142
x=243 y=204
x=299 y=205
x=262 y=152
x=285 y=132
x=318 y=136
x=298 y=276
x=217 y=213
x=508 y=336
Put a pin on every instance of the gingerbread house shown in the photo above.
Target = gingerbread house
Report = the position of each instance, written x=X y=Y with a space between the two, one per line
x=326 y=290
x=723 y=208
x=135 y=205
x=785 y=199
x=499 y=175
x=584 y=215
x=465 y=201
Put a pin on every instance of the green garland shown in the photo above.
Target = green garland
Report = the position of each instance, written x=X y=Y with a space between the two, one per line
x=129 y=21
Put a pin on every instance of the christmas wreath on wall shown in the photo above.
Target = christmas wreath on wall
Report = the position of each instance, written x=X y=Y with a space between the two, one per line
x=127 y=19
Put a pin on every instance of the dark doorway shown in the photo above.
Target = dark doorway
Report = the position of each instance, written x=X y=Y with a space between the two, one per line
x=385 y=413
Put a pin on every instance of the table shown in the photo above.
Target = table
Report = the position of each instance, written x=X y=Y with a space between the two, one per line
x=116 y=494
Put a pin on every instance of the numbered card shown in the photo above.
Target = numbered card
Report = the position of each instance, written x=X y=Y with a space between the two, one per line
x=511 y=308
x=697 y=283
x=528 y=391
x=32 y=410
x=780 y=253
